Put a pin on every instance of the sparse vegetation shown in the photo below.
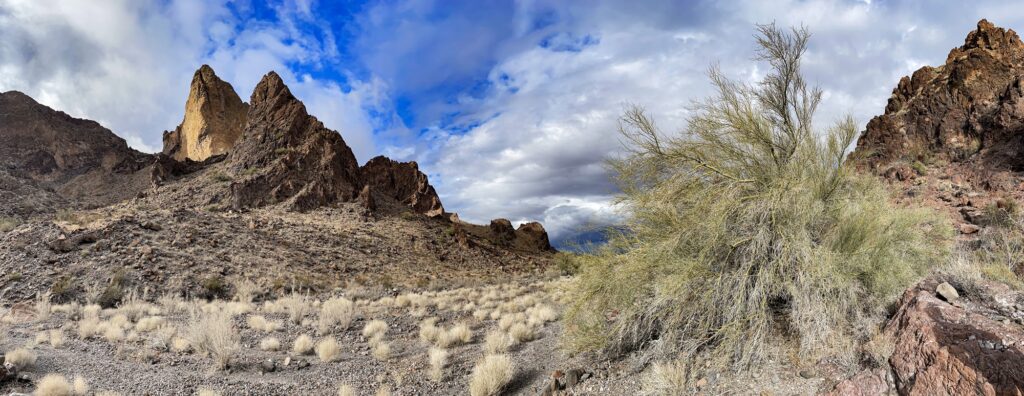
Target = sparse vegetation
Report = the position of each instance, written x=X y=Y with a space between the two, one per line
x=346 y=390
x=270 y=344
x=8 y=224
x=748 y=233
x=491 y=375
x=335 y=312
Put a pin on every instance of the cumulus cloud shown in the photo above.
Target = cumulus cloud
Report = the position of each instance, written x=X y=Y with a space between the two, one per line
x=510 y=107
x=128 y=64
x=531 y=147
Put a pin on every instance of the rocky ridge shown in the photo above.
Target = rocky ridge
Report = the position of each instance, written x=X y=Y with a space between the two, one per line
x=214 y=118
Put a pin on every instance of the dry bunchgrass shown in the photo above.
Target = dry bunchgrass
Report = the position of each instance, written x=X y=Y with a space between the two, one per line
x=381 y=351
x=20 y=358
x=438 y=358
x=260 y=323
x=207 y=392
x=335 y=312
x=346 y=390
x=497 y=342
x=57 y=385
x=328 y=350
x=303 y=345
x=214 y=334
x=667 y=379
x=490 y=375
x=456 y=335
x=429 y=330
x=521 y=332
x=149 y=324
x=180 y=345
x=245 y=291
x=375 y=329
x=270 y=344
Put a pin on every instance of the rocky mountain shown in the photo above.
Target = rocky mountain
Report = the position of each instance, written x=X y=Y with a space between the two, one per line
x=268 y=194
x=50 y=160
x=954 y=134
x=214 y=118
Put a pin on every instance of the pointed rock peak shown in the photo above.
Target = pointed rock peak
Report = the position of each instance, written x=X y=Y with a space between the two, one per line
x=213 y=122
x=990 y=37
x=270 y=87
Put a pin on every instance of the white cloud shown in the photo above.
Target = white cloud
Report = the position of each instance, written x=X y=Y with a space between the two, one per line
x=128 y=64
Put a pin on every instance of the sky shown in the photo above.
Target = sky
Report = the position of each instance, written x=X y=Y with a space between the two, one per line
x=510 y=107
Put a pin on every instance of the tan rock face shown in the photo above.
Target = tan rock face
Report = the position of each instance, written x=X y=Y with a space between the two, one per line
x=532 y=236
x=214 y=119
x=404 y=182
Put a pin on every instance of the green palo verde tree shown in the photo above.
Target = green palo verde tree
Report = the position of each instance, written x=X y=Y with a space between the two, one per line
x=747 y=235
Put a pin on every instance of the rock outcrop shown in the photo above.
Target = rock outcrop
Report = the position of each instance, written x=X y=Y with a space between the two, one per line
x=951 y=347
x=214 y=119
x=404 y=182
x=532 y=236
x=969 y=107
x=287 y=155
x=59 y=159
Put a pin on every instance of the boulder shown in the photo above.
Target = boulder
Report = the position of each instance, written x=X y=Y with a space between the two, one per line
x=947 y=292
x=945 y=349
x=501 y=232
x=214 y=119
x=532 y=236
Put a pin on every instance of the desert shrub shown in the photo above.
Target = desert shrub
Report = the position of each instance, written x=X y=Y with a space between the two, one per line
x=747 y=233
x=429 y=330
x=566 y=263
x=497 y=342
x=375 y=329
x=456 y=335
x=114 y=292
x=64 y=290
x=490 y=375
x=667 y=379
x=259 y=322
x=214 y=334
x=245 y=291
x=996 y=255
x=213 y=287
x=381 y=351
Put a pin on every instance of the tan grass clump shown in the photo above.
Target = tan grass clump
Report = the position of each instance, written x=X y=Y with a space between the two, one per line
x=79 y=386
x=521 y=332
x=214 y=334
x=56 y=338
x=53 y=385
x=180 y=345
x=375 y=329
x=303 y=345
x=456 y=335
x=270 y=344
x=21 y=358
x=260 y=323
x=381 y=351
x=149 y=324
x=667 y=379
x=429 y=330
x=438 y=359
x=497 y=342
x=335 y=312
x=328 y=350
x=346 y=390
x=491 y=375
x=749 y=218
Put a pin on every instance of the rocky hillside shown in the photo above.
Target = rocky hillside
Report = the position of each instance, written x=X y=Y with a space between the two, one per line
x=953 y=135
x=260 y=191
x=50 y=160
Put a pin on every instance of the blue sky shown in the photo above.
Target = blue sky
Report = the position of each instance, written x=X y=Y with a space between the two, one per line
x=509 y=106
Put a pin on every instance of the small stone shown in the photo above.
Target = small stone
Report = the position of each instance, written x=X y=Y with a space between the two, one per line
x=268 y=366
x=808 y=374
x=968 y=229
x=702 y=383
x=287 y=361
x=947 y=292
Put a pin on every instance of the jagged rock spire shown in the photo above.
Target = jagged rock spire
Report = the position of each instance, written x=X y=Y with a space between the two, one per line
x=214 y=119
